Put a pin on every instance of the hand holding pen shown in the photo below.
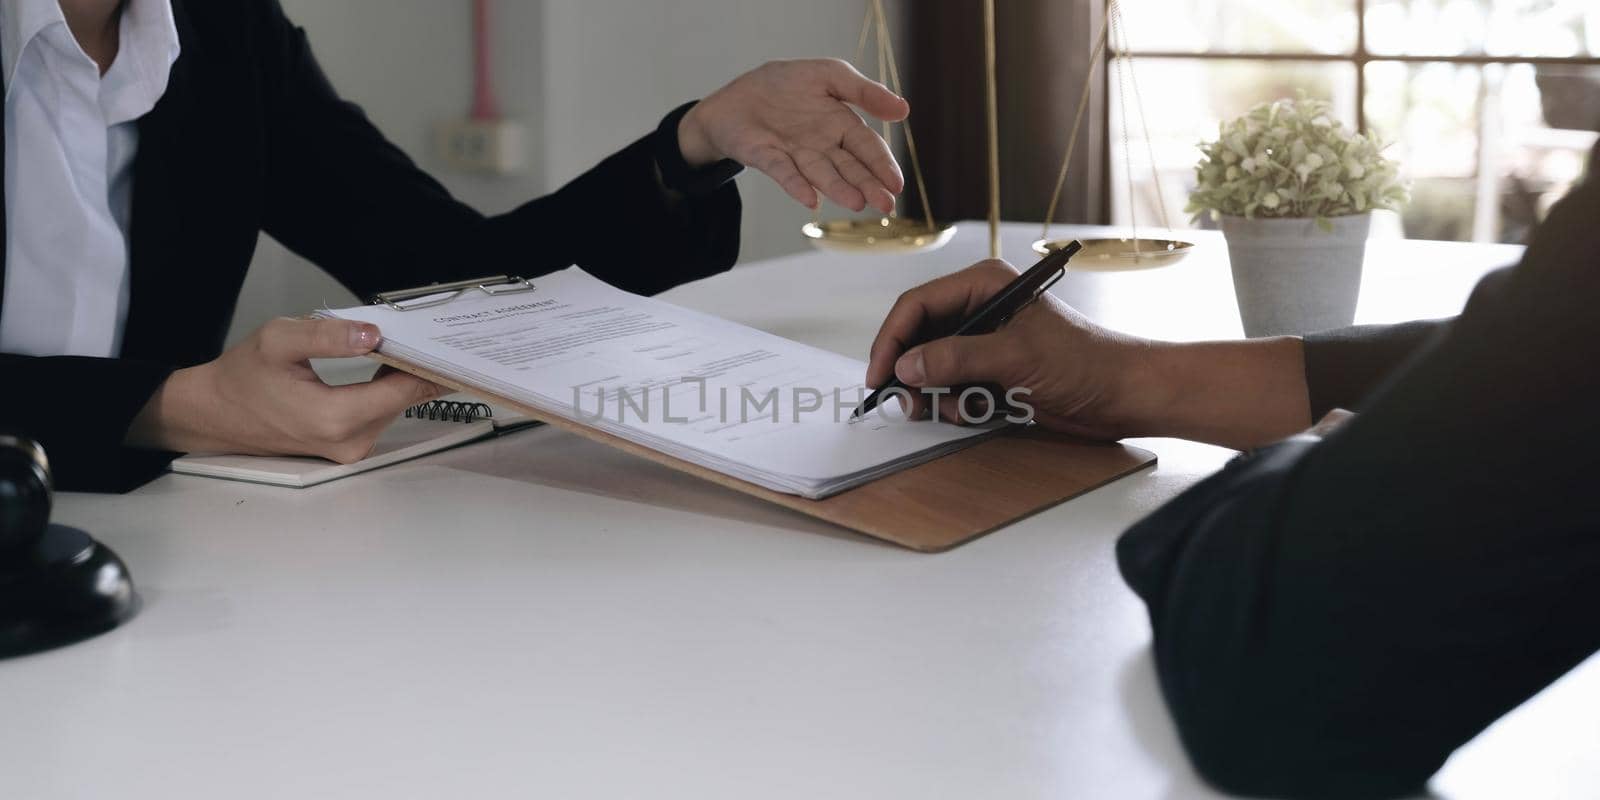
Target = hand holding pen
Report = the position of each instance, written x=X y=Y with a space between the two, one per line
x=982 y=316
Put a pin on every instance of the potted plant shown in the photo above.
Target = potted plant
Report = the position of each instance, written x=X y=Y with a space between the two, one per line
x=1294 y=191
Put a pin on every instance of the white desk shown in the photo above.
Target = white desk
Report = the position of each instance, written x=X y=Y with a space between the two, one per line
x=540 y=617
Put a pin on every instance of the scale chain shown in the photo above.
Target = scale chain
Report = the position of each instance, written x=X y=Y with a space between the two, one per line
x=887 y=48
x=1077 y=124
x=1144 y=119
x=1113 y=33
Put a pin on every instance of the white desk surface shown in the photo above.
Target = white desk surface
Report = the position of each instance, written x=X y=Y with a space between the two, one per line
x=538 y=616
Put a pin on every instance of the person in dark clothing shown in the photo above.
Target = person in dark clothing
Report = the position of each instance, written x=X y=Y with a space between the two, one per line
x=1337 y=610
x=150 y=142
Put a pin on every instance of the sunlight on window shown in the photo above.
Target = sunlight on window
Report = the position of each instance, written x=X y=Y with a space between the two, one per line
x=1184 y=101
x=1510 y=28
x=1241 y=26
x=1488 y=142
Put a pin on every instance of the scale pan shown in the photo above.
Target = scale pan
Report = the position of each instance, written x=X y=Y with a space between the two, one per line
x=1120 y=254
x=883 y=235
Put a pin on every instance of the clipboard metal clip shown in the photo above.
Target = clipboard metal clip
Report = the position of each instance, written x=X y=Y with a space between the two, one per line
x=440 y=293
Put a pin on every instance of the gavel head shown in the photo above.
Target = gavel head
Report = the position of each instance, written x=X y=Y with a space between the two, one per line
x=24 y=497
x=57 y=584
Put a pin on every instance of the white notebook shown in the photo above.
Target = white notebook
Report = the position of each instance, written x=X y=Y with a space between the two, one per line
x=727 y=397
x=428 y=428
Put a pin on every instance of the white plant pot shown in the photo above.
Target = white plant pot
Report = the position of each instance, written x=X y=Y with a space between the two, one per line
x=1292 y=277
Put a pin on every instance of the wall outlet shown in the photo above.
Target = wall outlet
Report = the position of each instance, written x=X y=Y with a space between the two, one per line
x=491 y=147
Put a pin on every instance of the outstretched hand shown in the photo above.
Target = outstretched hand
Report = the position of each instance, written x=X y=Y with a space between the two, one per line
x=793 y=121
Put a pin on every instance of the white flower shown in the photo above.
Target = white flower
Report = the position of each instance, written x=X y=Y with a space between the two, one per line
x=1293 y=157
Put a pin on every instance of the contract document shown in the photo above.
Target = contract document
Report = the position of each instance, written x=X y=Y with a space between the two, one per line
x=727 y=397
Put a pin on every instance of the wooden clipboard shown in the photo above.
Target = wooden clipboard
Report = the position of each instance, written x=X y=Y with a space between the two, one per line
x=929 y=508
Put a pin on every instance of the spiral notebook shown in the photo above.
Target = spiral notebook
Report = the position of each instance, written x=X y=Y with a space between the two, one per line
x=421 y=430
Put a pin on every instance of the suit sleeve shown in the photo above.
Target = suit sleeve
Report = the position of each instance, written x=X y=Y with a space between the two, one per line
x=347 y=199
x=79 y=409
x=1333 y=618
x=1344 y=366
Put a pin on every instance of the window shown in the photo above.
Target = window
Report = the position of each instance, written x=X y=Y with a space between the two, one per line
x=1491 y=106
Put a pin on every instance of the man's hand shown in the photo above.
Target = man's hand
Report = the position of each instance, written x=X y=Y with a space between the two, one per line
x=793 y=121
x=1079 y=375
x=262 y=398
x=1087 y=380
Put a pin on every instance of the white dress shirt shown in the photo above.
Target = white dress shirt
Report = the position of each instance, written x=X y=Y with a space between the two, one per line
x=71 y=138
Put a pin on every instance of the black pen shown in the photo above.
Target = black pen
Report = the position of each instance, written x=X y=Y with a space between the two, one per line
x=999 y=310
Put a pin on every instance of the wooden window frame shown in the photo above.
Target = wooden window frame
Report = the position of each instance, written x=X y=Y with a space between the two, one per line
x=1360 y=57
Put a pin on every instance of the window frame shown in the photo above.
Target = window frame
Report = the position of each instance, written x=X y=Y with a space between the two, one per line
x=1359 y=57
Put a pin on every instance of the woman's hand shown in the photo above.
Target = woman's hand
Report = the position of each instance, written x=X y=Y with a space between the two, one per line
x=793 y=121
x=262 y=398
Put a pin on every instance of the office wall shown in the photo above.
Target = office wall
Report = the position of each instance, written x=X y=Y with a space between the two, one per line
x=408 y=63
x=585 y=76
x=612 y=67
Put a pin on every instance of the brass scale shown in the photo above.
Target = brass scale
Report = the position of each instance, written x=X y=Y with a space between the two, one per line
x=897 y=234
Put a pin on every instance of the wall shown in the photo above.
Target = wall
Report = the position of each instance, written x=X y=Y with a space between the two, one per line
x=613 y=67
x=408 y=63
x=585 y=76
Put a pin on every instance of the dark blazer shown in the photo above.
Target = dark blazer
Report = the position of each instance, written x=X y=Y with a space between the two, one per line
x=250 y=137
x=1333 y=618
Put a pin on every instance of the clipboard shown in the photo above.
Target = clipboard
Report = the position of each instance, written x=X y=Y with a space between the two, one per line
x=930 y=508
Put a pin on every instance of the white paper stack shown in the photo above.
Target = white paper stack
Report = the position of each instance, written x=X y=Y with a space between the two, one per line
x=730 y=398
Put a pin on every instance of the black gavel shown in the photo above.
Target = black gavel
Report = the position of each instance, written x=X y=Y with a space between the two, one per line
x=57 y=584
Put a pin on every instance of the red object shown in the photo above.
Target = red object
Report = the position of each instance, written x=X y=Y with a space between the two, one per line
x=484 y=105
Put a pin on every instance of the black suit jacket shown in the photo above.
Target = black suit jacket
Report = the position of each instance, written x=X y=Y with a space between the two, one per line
x=1333 y=618
x=250 y=137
